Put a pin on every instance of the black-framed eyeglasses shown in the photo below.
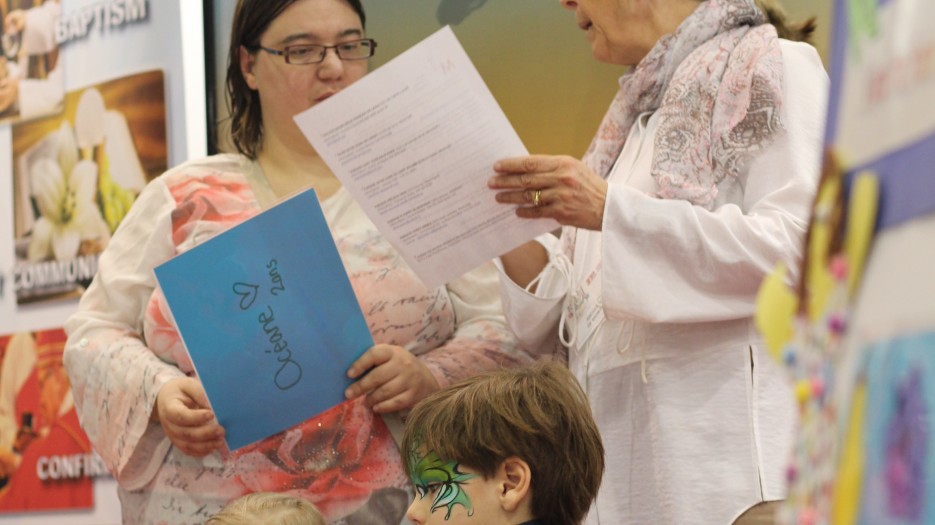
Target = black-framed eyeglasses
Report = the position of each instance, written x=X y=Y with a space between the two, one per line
x=304 y=54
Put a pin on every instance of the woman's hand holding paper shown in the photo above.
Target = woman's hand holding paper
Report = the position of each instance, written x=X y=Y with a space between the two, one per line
x=556 y=187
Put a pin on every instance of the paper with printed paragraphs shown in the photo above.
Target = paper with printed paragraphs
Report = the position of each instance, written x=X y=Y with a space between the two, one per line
x=414 y=142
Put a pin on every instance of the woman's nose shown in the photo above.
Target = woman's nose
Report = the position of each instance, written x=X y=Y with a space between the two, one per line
x=568 y=4
x=331 y=66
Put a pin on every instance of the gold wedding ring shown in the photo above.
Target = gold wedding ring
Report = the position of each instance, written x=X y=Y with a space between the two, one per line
x=537 y=198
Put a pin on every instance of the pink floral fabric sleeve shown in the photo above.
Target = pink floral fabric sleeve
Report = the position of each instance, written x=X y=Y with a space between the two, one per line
x=482 y=340
x=114 y=376
x=122 y=346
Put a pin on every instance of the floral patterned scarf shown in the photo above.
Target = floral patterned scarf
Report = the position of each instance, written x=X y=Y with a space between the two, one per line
x=717 y=84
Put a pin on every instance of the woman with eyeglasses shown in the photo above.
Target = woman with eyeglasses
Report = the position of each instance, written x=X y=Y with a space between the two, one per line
x=698 y=182
x=141 y=402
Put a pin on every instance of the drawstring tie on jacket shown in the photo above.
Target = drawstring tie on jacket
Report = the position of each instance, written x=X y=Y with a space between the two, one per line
x=567 y=333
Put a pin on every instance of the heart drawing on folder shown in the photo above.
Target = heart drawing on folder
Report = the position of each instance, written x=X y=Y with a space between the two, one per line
x=247 y=293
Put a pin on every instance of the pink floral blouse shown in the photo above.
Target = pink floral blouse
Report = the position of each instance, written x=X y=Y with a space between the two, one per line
x=122 y=348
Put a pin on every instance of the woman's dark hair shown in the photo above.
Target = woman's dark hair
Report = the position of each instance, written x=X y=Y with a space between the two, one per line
x=251 y=18
x=797 y=32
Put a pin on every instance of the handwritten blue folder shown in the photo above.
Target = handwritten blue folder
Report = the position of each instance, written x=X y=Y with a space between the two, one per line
x=269 y=318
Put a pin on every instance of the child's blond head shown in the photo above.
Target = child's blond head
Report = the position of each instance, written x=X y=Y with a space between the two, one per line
x=268 y=508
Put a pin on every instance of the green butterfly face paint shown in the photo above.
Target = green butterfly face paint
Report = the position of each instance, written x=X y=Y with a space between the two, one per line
x=433 y=476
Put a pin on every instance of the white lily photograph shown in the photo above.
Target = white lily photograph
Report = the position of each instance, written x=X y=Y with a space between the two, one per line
x=76 y=175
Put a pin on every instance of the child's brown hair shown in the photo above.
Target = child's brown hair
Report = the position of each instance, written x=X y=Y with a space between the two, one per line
x=538 y=414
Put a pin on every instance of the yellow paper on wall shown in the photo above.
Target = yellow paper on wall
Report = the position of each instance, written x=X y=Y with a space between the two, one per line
x=845 y=504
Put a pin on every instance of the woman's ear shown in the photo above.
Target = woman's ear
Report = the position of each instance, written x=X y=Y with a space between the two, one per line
x=247 y=62
x=515 y=485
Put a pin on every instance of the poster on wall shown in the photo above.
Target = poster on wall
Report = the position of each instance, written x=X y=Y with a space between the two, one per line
x=860 y=347
x=131 y=104
x=46 y=462
x=75 y=176
x=883 y=124
x=31 y=79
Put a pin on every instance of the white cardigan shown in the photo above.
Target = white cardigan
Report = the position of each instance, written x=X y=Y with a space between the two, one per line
x=708 y=434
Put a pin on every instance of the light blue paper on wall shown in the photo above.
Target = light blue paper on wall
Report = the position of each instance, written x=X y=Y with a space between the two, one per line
x=269 y=318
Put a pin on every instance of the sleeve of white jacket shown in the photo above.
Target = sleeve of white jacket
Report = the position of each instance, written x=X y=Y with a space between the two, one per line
x=670 y=261
x=534 y=318
x=114 y=376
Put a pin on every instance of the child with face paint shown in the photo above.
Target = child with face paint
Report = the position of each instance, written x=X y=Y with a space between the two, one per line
x=510 y=447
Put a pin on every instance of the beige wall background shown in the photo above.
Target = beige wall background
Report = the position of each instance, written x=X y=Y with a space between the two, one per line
x=530 y=53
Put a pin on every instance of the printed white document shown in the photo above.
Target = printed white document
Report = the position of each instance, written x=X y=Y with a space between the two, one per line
x=415 y=142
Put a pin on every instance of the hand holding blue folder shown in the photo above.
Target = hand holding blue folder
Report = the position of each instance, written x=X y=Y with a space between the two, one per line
x=269 y=319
